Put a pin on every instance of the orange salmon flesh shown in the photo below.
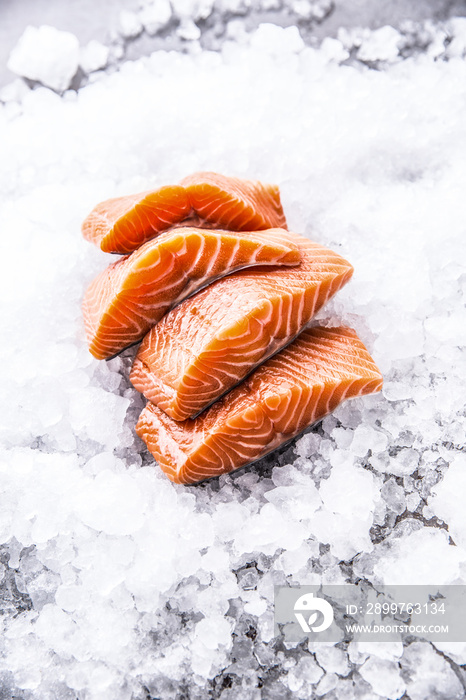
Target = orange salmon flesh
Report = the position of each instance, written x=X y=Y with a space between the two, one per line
x=288 y=393
x=122 y=224
x=132 y=294
x=211 y=341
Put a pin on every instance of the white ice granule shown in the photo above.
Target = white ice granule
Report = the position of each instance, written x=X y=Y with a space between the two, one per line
x=226 y=518
x=334 y=50
x=346 y=535
x=414 y=559
x=311 y=9
x=212 y=638
x=155 y=15
x=213 y=632
x=301 y=677
x=427 y=673
x=332 y=659
x=93 y=56
x=14 y=91
x=456 y=28
x=130 y=24
x=46 y=54
x=188 y=30
x=394 y=496
x=397 y=390
x=380 y=45
x=279 y=40
x=236 y=7
x=384 y=677
x=294 y=560
x=454 y=650
x=326 y=684
x=448 y=499
x=258 y=606
x=111 y=503
x=192 y=9
x=365 y=438
x=209 y=601
x=350 y=492
x=303 y=8
x=388 y=651
x=403 y=463
x=272 y=530
x=298 y=501
x=102 y=428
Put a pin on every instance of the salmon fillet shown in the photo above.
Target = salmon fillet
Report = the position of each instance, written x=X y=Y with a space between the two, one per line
x=122 y=224
x=234 y=203
x=211 y=341
x=210 y=200
x=291 y=391
x=127 y=298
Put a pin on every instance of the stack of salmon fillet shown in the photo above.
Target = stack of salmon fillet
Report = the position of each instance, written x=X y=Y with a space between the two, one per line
x=228 y=362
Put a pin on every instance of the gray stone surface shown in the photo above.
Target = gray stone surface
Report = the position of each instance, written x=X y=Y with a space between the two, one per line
x=89 y=19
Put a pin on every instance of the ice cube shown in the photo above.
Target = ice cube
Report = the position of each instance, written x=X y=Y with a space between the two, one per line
x=93 y=56
x=384 y=677
x=394 y=496
x=427 y=672
x=448 y=499
x=130 y=24
x=47 y=55
x=155 y=16
x=381 y=45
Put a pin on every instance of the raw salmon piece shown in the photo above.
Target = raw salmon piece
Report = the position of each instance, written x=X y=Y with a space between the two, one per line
x=291 y=391
x=122 y=224
x=127 y=298
x=234 y=203
x=209 y=200
x=214 y=339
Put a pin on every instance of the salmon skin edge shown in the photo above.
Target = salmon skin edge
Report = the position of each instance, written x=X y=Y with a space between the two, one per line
x=334 y=366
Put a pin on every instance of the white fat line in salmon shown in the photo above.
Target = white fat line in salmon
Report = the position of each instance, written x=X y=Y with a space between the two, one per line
x=277 y=442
